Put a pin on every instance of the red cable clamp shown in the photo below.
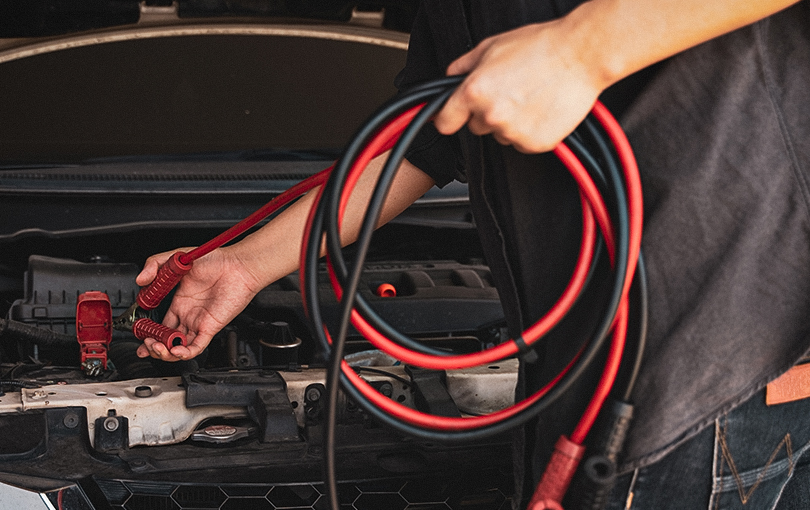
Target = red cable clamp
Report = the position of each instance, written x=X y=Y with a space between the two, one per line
x=557 y=477
x=167 y=277
x=147 y=328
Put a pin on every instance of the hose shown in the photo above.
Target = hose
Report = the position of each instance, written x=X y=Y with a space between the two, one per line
x=41 y=336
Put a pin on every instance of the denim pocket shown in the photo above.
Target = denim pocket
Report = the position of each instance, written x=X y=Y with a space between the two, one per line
x=747 y=461
x=756 y=450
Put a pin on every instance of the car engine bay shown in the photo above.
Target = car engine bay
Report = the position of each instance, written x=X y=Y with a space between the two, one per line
x=101 y=168
x=253 y=402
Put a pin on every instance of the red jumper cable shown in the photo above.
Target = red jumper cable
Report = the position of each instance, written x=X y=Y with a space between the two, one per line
x=136 y=320
x=568 y=452
x=560 y=470
x=591 y=199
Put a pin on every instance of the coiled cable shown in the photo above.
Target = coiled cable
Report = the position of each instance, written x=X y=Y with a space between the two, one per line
x=402 y=118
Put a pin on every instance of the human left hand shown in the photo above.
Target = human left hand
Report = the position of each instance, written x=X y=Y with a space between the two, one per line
x=529 y=87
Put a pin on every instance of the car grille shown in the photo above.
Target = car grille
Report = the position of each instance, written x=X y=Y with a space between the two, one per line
x=485 y=490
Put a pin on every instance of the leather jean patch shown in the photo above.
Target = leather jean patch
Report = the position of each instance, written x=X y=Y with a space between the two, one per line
x=791 y=386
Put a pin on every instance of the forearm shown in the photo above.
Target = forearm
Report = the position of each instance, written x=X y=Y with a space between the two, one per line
x=619 y=37
x=531 y=86
x=273 y=251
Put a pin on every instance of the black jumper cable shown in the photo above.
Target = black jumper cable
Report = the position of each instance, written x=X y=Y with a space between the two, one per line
x=596 y=151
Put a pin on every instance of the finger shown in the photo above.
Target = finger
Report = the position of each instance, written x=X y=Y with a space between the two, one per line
x=189 y=351
x=172 y=320
x=146 y=275
x=165 y=355
x=478 y=125
x=150 y=268
x=456 y=112
x=505 y=135
x=152 y=347
x=531 y=146
x=453 y=115
x=501 y=139
x=181 y=352
x=193 y=349
x=152 y=265
x=146 y=349
x=158 y=351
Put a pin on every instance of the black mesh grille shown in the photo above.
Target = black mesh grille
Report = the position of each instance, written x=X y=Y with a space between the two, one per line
x=483 y=490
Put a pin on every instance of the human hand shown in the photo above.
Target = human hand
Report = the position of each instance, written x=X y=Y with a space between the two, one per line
x=529 y=87
x=209 y=296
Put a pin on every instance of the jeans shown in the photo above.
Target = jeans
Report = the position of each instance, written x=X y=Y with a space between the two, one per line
x=750 y=458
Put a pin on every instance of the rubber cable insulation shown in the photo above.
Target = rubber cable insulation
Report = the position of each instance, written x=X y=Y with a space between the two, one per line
x=623 y=271
x=625 y=246
x=465 y=420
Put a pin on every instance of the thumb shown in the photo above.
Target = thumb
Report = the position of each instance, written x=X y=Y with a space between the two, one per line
x=151 y=266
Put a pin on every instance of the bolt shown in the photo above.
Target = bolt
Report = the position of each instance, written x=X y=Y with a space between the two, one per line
x=111 y=424
x=93 y=367
x=313 y=394
x=387 y=389
x=71 y=420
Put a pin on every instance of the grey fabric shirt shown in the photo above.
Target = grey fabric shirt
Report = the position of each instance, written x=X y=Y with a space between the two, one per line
x=722 y=135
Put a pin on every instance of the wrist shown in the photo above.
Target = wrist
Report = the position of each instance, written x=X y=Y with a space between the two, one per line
x=249 y=263
x=591 y=30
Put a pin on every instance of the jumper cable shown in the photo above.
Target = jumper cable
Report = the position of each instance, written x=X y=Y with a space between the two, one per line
x=136 y=319
x=552 y=487
x=326 y=221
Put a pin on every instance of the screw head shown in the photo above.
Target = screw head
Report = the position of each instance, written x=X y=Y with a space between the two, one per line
x=313 y=394
x=111 y=424
x=71 y=420
x=387 y=389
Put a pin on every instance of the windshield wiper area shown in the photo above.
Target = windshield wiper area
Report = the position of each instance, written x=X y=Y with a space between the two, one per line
x=37 y=18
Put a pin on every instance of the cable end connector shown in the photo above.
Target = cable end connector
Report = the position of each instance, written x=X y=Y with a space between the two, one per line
x=557 y=477
x=594 y=482
x=614 y=429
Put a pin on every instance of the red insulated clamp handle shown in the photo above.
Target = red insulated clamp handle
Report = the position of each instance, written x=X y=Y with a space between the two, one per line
x=167 y=277
x=147 y=328
x=557 y=477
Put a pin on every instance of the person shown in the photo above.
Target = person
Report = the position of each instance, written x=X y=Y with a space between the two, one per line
x=720 y=135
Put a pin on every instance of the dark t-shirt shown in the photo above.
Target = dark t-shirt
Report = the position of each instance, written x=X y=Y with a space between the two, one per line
x=722 y=135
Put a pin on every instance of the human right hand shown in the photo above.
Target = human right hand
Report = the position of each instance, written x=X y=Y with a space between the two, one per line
x=218 y=287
